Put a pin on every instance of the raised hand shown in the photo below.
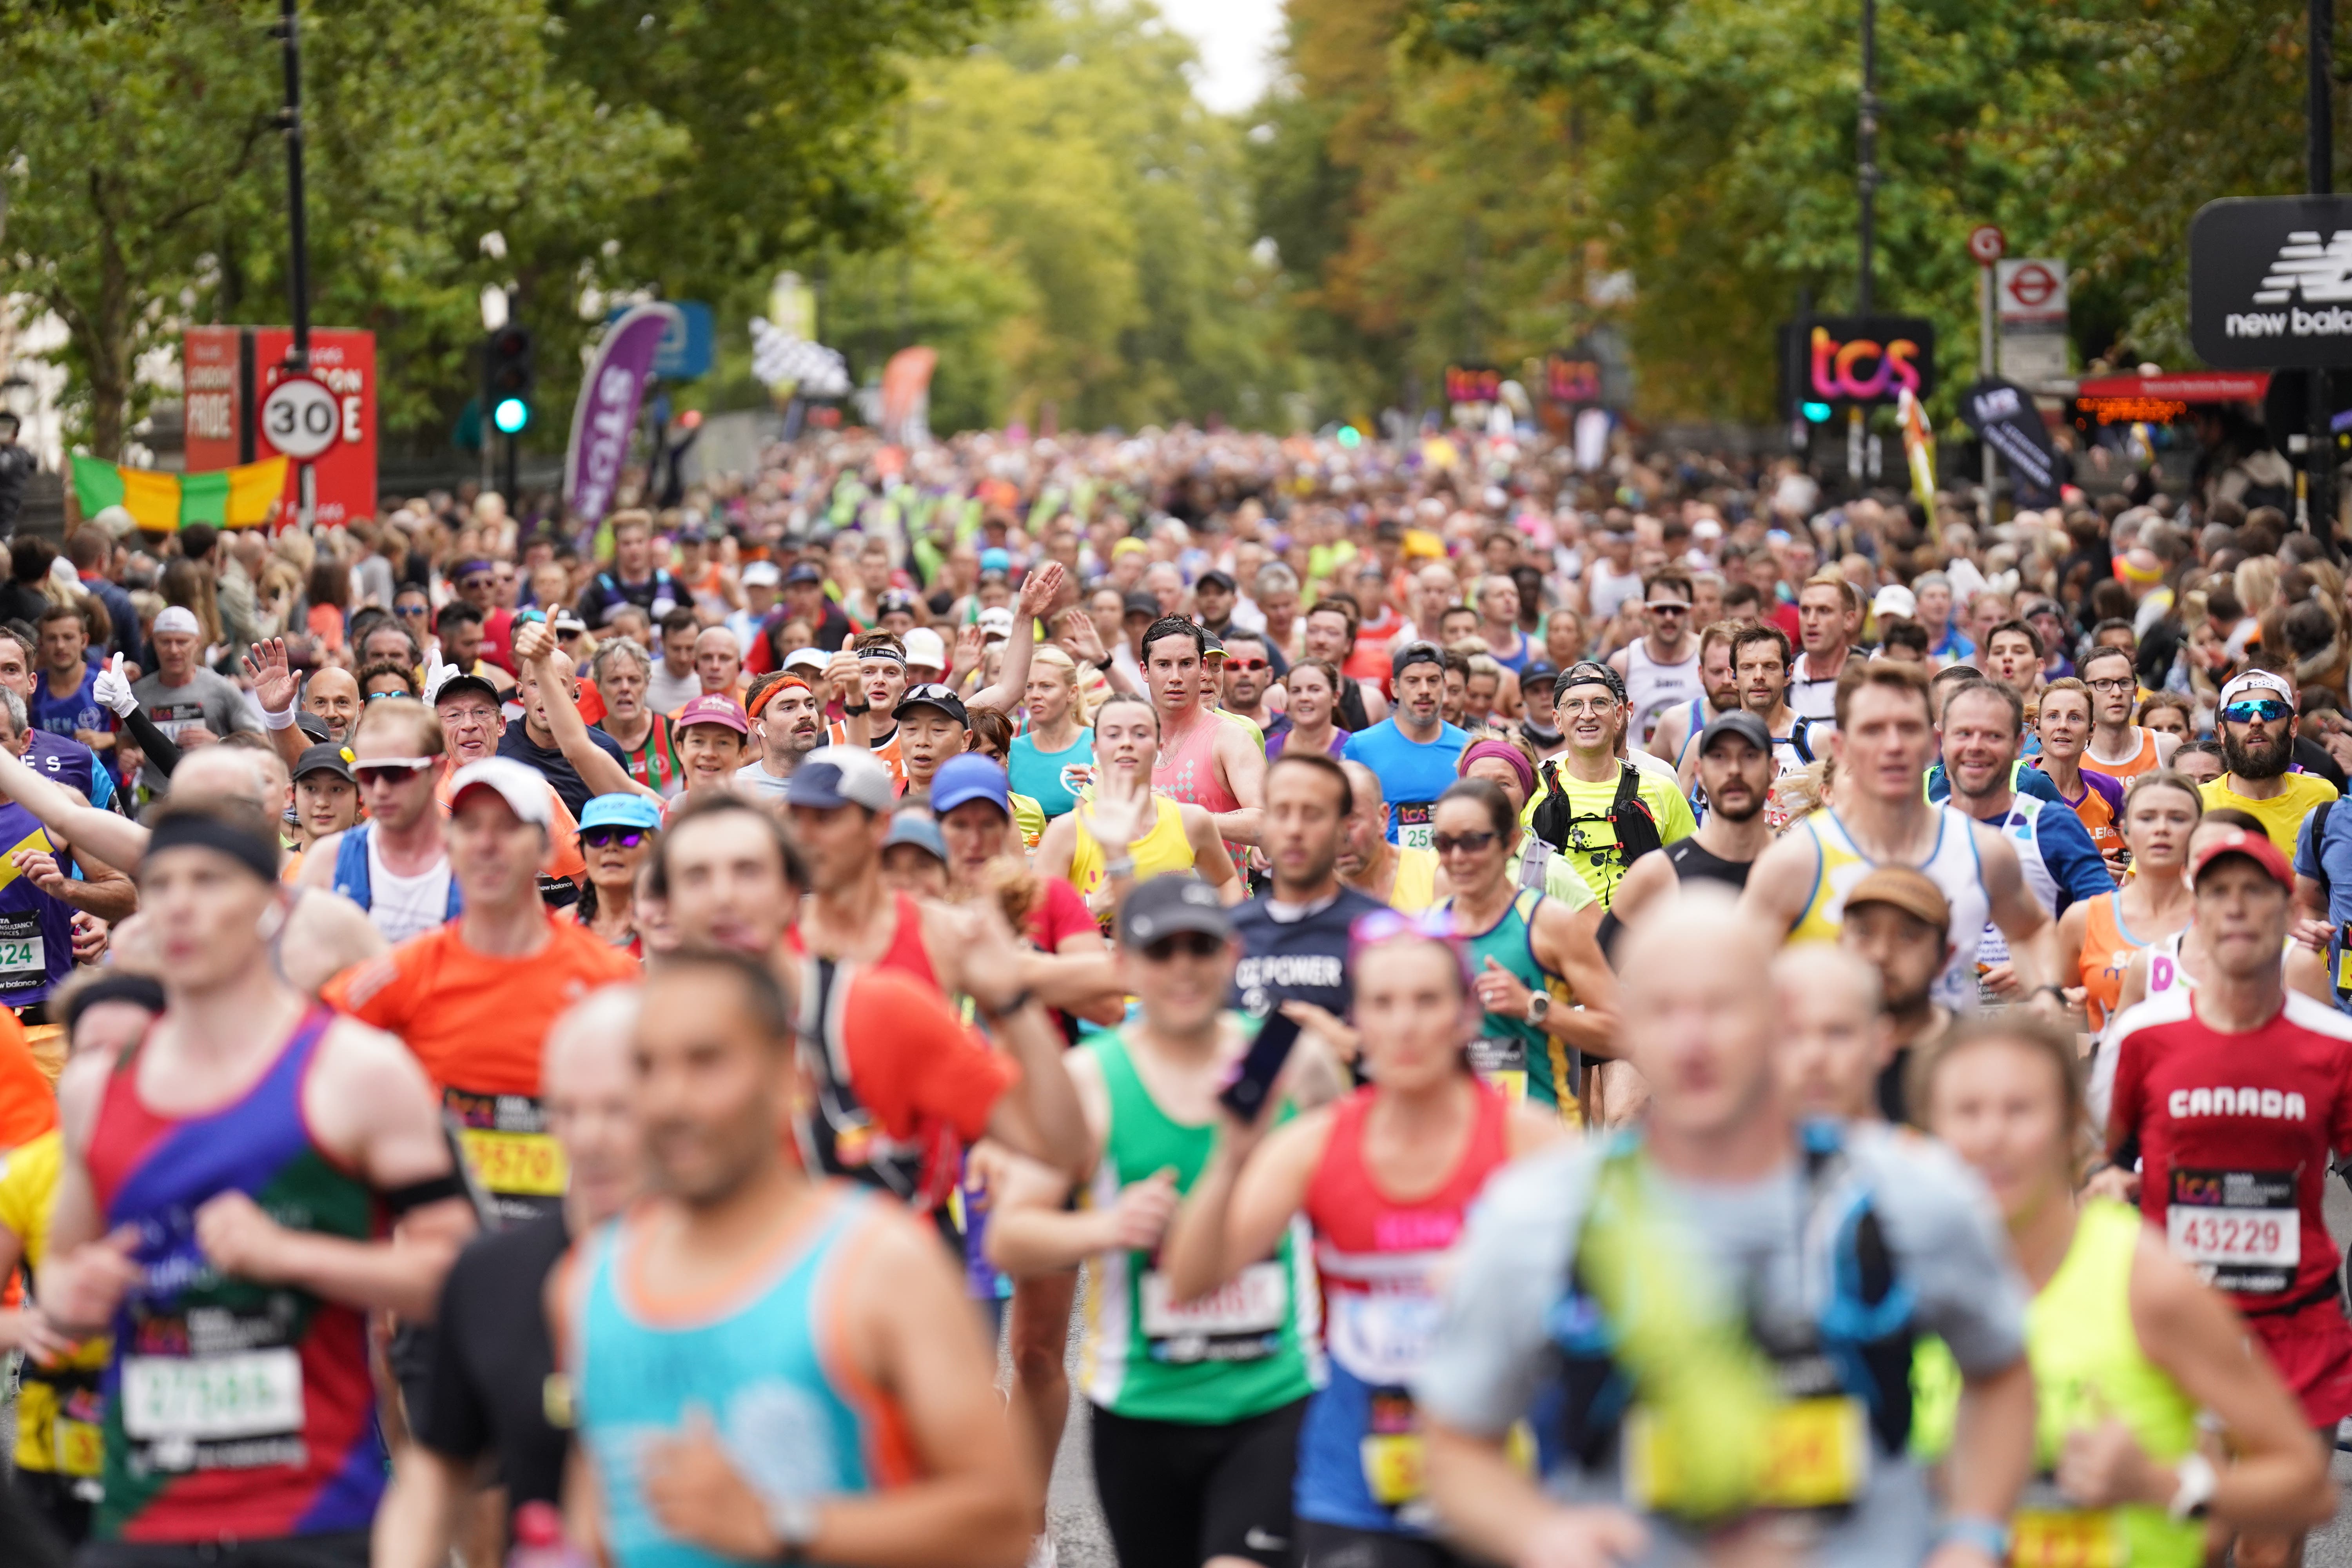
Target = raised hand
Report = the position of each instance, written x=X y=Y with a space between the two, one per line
x=113 y=690
x=534 y=641
x=1040 y=588
x=270 y=676
x=1122 y=811
x=437 y=674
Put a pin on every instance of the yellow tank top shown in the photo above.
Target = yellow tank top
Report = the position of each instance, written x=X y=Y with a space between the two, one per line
x=1163 y=849
x=1415 y=887
x=1952 y=865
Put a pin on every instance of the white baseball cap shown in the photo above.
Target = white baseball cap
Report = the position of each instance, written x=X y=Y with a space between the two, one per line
x=522 y=787
x=1894 y=599
x=925 y=647
x=762 y=574
x=996 y=621
x=805 y=658
x=2255 y=680
x=178 y=618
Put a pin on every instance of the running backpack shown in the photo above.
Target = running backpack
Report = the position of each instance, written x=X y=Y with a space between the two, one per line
x=1629 y=819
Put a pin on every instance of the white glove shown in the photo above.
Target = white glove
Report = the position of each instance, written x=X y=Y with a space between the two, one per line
x=113 y=690
x=437 y=675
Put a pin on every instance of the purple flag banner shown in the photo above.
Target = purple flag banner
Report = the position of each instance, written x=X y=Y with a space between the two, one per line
x=607 y=410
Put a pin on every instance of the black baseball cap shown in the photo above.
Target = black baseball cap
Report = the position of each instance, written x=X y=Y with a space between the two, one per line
x=458 y=685
x=1420 y=650
x=310 y=724
x=1166 y=906
x=1219 y=578
x=932 y=694
x=1741 y=722
x=803 y=572
x=1589 y=672
x=324 y=760
x=1139 y=602
x=1536 y=675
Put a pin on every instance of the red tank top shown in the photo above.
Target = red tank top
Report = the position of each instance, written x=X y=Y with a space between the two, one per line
x=905 y=953
x=2234 y=1134
x=1354 y=1220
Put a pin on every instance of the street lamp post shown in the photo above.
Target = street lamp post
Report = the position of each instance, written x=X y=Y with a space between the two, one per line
x=298 y=274
x=1866 y=151
x=2320 y=132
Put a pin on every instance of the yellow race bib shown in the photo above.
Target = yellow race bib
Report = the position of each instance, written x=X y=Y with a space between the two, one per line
x=526 y=1164
x=1817 y=1455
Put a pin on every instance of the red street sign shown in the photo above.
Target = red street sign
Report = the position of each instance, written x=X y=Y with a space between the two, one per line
x=2033 y=285
x=2182 y=386
x=1987 y=243
x=230 y=372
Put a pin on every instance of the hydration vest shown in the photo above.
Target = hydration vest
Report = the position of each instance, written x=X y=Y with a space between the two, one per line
x=1629 y=817
x=1861 y=1339
x=353 y=880
x=838 y=1136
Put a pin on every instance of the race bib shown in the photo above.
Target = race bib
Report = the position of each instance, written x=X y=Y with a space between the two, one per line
x=207 y=1399
x=1381 y=1336
x=2243 y=1230
x=1504 y=1064
x=1817 y=1455
x=509 y=1149
x=2067 y=1538
x=1390 y=1451
x=1239 y=1320
x=1415 y=821
x=24 y=954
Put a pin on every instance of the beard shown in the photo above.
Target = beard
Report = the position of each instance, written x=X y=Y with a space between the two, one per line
x=2262 y=760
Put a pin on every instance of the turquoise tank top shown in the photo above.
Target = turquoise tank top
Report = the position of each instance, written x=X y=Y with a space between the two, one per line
x=762 y=1363
x=1052 y=779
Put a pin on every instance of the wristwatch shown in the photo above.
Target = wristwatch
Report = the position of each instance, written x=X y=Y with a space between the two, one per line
x=2194 y=1495
x=1989 y=1536
x=1538 y=1007
x=794 y=1520
x=859 y=711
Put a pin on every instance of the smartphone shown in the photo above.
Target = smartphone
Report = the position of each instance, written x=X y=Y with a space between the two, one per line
x=1246 y=1096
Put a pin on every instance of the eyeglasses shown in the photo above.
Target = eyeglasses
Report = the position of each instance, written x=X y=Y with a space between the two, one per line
x=391 y=770
x=380 y=696
x=475 y=583
x=2265 y=711
x=413 y=612
x=2112 y=683
x=1190 y=943
x=599 y=837
x=1572 y=706
x=1248 y=664
x=1447 y=843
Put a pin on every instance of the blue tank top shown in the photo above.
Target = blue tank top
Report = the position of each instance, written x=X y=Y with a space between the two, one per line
x=36 y=930
x=761 y=1364
x=1052 y=779
x=67 y=760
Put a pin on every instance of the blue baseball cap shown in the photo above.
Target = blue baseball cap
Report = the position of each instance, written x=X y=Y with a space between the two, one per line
x=621 y=811
x=993 y=559
x=913 y=827
x=969 y=777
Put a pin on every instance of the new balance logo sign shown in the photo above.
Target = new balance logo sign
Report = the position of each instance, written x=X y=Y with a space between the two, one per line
x=2321 y=273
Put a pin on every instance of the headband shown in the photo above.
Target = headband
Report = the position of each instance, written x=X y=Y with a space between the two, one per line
x=250 y=850
x=1508 y=752
x=114 y=985
x=882 y=651
x=768 y=692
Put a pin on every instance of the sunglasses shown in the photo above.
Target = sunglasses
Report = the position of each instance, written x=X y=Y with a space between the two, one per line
x=391 y=771
x=1192 y=944
x=1248 y=664
x=1666 y=607
x=380 y=696
x=476 y=582
x=1447 y=843
x=626 y=838
x=2265 y=711
x=413 y=612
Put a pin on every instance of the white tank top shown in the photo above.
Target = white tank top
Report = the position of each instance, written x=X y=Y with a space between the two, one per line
x=1652 y=688
x=402 y=906
x=1953 y=866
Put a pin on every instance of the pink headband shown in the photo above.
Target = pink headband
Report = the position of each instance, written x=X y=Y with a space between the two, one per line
x=1508 y=752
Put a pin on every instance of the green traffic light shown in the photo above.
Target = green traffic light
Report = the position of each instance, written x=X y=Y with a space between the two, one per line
x=1350 y=435
x=510 y=415
x=1817 y=413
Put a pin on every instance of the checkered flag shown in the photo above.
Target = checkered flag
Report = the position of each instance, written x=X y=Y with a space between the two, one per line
x=781 y=360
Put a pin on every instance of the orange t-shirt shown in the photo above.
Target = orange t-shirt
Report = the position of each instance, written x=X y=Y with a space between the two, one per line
x=563 y=858
x=28 y=1103
x=477 y=1023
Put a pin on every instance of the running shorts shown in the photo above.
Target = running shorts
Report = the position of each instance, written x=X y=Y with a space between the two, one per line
x=1175 y=1494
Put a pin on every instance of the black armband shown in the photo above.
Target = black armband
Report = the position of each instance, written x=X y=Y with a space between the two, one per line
x=417 y=1194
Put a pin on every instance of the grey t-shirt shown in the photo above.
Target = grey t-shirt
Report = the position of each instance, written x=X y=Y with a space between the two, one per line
x=761 y=783
x=208 y=699
x=1492 y=1354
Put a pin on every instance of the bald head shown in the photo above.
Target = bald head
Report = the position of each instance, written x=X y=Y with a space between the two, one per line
x=1367 y=785
x=226 y=772
x=588 y=1082
x=1833 y=1040
x=1700 y=1034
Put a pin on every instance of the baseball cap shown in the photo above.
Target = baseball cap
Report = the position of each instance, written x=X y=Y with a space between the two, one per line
x=926 y=647
x=310 y=724
x=1894 y=599
x=1538 y=675
x=840 y=775
x=568 y=625
x=1167 y=905
x=1589 y=672
x=324 y=760
x=2255 y=846
x=1129 y=546
x=1139 y=602
x=521 y=787
x=1908 y=888
x=762 y=574
x=803 y=572
x=178 y=618
x=996 y=621
x=931 y=694
x=1211 y=646
x=805 y=658
x=620 y=811
x=116 y=521
x=895 y=599
x=461 y=685
x=1214 y=577
x=994 y=559
x=1741 y=722
x=913 y=827
x=2255 y=680
x=969 y=777
x=1418 y=651
x=710 y=708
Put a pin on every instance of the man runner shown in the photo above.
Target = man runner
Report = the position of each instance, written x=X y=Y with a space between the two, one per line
x=1600 y=810
x=2119 y=748
x=1736 y=770
x=1718 y=692
x=1661 y=669
x=1295 y=932
x=1828 y=609
x=2256 y=721
x=395 y=865
x=1414 y=751
x=222 y=1209
x=1898 y=922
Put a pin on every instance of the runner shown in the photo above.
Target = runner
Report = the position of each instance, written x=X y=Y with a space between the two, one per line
x=2099 y=937
x=1834 y=1046
x=624 y=672
x=1413 y=750
x=789 y=725
x=2256 y=723
x=2129 y=1347
x=474 y=999
x=1202 y=760
x=1600 y=810
x=1885 y=738
x=1546 y=993
x=60 y=1451
x=326 y=799
x=1295 y=932
x=765 y=1366
x=1053 y=756
x=1829 y=613
x=2235 y=1091
x=1718 y=692
x=2118 y=748
x=1534 y=863
x=618 y=835
x=1405 y=879
x=2063 y=722
x=1310 y=723
x=1196 y=1406
x=222 y=1208
x=491 y=1387
x=1734 y=769
x=1330 y=636
x=189 y=703
x=867 y=678
x=1725 y=1363
x=395 y=865
x=1660 y=669
x=1760 y=662
x=631 y=576
x=1123 y=830
x=712 y=734
x=1384 y=1178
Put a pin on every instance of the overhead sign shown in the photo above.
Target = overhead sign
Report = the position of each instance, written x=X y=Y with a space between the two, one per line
x=2189 y=386
x=1473 y=383
x=237 y=414
x=2029 y=298
x=687 y=342
x=2269 y=282
x=1571 y=377
x=2003 y=417
x=1866 y=360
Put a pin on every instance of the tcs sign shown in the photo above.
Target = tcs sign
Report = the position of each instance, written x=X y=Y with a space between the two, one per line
x=1869 y=359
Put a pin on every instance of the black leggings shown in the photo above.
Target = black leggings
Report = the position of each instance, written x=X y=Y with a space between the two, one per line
x=1175 y=1494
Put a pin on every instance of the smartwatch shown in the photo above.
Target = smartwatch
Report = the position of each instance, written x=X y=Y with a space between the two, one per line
x=1538 y=1007
x=2194 y=1497
x=795 y=1522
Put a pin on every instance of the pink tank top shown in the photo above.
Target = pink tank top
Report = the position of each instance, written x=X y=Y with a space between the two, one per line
x=1187 y=768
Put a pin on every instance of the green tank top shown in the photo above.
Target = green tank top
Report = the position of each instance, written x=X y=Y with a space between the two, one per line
x=2087 y=1365
x=1515 y=1055
x=1247 y=1349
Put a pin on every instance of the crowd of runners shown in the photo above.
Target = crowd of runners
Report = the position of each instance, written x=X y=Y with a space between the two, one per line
x=1550 y=1018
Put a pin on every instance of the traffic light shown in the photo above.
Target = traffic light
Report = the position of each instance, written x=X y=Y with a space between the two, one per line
x=507 y=378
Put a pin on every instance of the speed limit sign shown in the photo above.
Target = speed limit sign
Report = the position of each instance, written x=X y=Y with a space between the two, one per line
x=1987 y=244
x=300 y=417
